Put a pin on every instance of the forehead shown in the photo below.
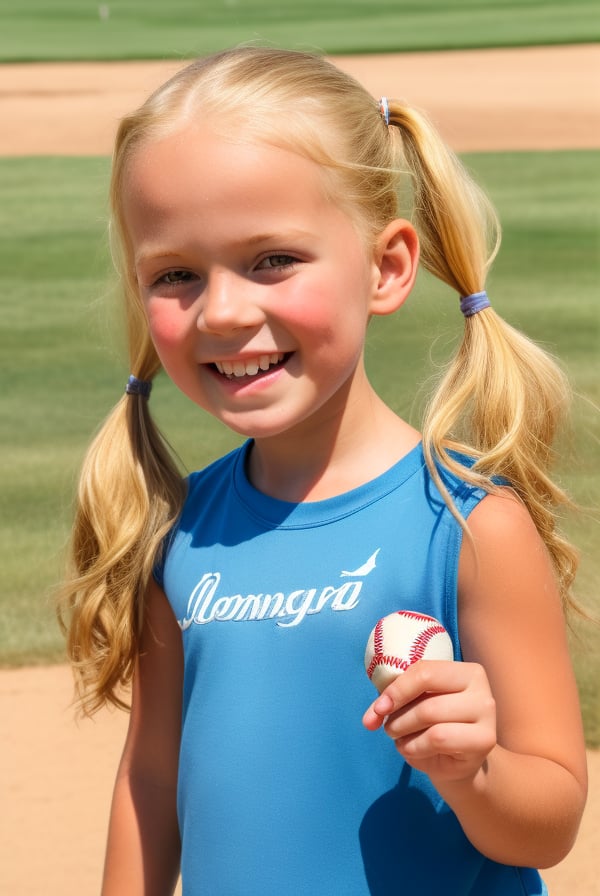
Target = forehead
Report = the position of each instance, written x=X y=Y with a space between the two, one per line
x=200 y=175
x=213 y=162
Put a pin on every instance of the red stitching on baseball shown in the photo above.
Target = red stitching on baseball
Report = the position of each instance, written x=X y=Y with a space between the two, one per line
x=378 y=637
x=411 y=614
x=416 y=650
x=420 y=643
x=380 y=659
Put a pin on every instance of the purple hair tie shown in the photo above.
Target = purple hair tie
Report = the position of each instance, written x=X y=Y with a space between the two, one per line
x=138 y=387
x=477 y=301
x=384 y=109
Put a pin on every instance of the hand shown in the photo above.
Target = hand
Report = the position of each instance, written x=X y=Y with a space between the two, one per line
x=441 y=716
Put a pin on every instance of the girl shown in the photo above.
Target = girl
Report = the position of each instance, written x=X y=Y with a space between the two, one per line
x=255 y=216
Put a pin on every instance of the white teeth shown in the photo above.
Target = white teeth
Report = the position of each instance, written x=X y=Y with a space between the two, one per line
x=249 y=367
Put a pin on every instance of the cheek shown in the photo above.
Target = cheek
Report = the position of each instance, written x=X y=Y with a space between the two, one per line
x=168 y=326
x=328 y=312
x=314 y=307
x=169 y=331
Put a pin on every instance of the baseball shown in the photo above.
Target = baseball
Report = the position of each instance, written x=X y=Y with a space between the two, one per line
x=399 y=640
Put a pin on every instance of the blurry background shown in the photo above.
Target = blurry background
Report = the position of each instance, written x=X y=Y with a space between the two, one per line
x=34 y=30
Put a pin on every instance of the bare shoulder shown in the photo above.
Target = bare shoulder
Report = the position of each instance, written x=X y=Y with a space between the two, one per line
x=161 y=631
x=507 y=583
x=504 y=546
x=155 y=722
x=502 y=515
x=160 y=664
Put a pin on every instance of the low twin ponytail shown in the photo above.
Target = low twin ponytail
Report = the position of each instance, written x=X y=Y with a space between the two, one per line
x=130 y=492
x=457 y=225
x=501 y=399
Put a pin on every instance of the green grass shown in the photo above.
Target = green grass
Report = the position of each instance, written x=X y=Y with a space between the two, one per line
x=35 y=30
x=62 y=369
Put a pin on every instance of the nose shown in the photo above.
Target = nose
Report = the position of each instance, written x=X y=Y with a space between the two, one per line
x=228 y=304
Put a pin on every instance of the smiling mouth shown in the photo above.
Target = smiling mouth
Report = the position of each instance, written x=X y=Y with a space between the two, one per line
x=250 y=366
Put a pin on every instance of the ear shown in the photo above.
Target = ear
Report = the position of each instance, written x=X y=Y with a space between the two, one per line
x=396 y=259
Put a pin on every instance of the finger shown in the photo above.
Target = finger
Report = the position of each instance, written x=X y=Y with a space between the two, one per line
x=456 y=740
x=425 y=676
x=405 y=689
x=433 y=709
x=453 y=766
x=376 y=714
x=413 y=696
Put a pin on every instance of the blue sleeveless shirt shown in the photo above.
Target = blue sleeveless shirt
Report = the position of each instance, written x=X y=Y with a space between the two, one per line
x=281 y=789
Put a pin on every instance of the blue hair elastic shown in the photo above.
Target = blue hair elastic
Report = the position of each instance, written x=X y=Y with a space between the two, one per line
x=138 y=387
x=477 y=301
x=384 y=108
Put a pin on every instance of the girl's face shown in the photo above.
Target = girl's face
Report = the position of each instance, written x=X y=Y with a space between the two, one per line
x=257 y=287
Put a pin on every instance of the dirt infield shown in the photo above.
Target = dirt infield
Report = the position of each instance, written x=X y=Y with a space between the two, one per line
x=540 y=98
x=56 y=782
x=56 y=776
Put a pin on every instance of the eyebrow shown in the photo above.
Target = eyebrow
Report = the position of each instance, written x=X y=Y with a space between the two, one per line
x=279 y=237
x=255 y=239
x=151 y=255
x=268 y=237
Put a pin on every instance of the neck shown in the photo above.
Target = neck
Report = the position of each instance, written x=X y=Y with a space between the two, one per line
x=331 y=458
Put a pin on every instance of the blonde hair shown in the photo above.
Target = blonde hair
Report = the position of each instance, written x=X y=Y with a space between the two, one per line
x=501 y=399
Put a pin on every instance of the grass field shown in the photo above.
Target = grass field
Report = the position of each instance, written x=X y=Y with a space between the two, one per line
x=62 y=367
x=129 y=29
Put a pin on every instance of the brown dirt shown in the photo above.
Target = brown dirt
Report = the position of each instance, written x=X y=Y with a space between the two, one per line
x=56 y=775
x=540 y=98
x=56 y=782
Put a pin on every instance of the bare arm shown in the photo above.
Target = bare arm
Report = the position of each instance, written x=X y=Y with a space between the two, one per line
x=142 y=856
x=500 y=735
